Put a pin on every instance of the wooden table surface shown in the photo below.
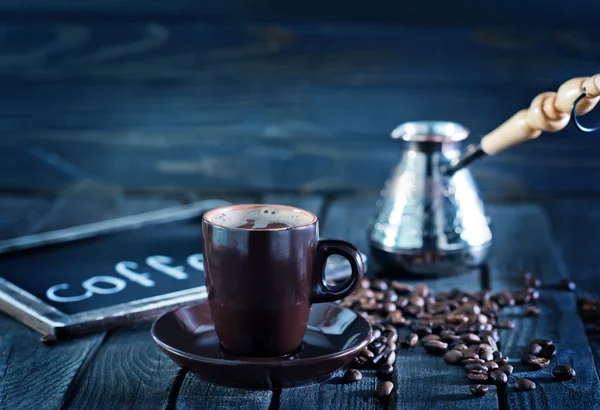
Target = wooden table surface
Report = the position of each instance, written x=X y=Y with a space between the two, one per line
x=122 y=368
x=111 y=108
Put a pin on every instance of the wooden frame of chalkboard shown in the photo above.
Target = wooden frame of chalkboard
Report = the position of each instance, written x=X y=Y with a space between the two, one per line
x=47 y=319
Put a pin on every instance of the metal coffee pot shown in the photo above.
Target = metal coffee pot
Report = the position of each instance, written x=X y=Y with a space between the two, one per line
x=430 y=218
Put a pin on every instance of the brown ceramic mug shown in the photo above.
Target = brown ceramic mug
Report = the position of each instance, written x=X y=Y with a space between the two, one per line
x=264 y=267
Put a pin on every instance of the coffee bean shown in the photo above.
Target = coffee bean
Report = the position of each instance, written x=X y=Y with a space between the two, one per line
x=548 y=351
x=537 y=363
x=453 y=357
x=506 y=369
x=423 y=331
x=435 y=346
x=367 y=353
x=506 y=324
x=501 y=361
x=365 y=283
x=465 y=362
x=564 y=373
x=391 y=358
x=469 y=354
x=390 y=334
x=359 y=360
x=402 y=302
x=532 y=281
x=534 y=295
x=566 y=284
x=389 y=307
x=402 y=288
x=526 y=358
x=430 y=337
x=417 y=301
x=390 y=296
x=497 y=354
x=524 y=385
x=541 y=342
x=470 y=338
x=451 y=339
x=504 y=299
x=352 y=376
x=379 y=285
x=396 y=318
x=376 y=333
x=459 y=347
x=456 y=319
x=486 y=356
x=385 y=389
x=385 y=370
x=534 y=349
x=522 y=298
x=499 y=376
x=532 y=311
x=491 y=365
x=410 y=340
x=382 y=357
x=479 y=390
x=478 y=376
x=422 y=290
x=377 y=347
x=475 y=366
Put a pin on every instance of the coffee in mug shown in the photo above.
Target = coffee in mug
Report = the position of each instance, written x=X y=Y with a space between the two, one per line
x=264 y=267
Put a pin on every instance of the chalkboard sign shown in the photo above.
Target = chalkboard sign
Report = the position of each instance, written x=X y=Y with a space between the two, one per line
x=86 y=278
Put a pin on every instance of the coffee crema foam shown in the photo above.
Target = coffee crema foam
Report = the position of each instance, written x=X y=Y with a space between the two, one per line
x=261 y=218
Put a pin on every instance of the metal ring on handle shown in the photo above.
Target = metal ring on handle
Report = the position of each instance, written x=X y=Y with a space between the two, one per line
x=576 y=120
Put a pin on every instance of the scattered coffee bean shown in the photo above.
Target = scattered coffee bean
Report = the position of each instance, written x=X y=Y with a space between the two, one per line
x=491 y=365
x=379 y=285
x=548 y=351
x=501 y=361
x=532 y=311
x=359 y=360
x=566 y=284
x=470 y=338
x=497 y=354
x=541 y=342
x=538 y=363
x=534 y=349
x=532 y=281
x=391 y=358
x=385 y=389
x=430 y=337
x=402 y=288
x=383 y=356
x=422 y=289
x=499 y=376
x=423 y=331
x=486 y=356
x=564 y=373
x=396 y=318
x=465 y=362
x=469 y=354
x=459 y=347
x=367 y=353
x=352 y=376
x=522 y=298
x=506 y=369
x=389 y=307
x=479 y=390
x=365 y=283
x=435 y=346
x=504 y=299
x=475 y=366
x=453 y=357
x=410 y=341
x=524 y=385
x=385 y=370
x=478 y=376
x=526 y=358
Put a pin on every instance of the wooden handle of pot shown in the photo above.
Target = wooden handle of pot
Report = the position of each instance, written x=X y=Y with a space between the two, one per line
x=549 y=111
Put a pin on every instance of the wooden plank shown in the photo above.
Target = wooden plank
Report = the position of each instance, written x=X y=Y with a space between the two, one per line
x=30 y=372
x=327 y=95
x=127 y=372
x=522 y=236
x=463 y=12
x=196 y=393
x=422 y=380
x=576 y=223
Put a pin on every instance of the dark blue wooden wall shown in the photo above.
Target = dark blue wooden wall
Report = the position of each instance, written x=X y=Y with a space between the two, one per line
x=263 y=95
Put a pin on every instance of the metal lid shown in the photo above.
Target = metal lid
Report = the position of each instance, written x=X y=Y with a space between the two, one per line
x=430 y=131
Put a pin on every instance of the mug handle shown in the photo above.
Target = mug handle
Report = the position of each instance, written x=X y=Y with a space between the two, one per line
x=325 y=248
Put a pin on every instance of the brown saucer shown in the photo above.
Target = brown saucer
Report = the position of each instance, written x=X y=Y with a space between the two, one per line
x=335 y=335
